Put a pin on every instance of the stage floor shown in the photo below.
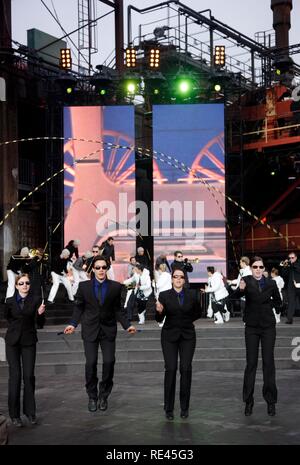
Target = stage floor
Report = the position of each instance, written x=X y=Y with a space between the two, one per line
x=135 y=412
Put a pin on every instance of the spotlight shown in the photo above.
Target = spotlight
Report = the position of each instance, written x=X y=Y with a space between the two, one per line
x=185 y=87
x=103 y=84
x=67 y=84
x=155 y=87
x=130 y=57
x=219 y=56
x=130 y=85
x=65 y=61
x=154 y=58
x=217 y=87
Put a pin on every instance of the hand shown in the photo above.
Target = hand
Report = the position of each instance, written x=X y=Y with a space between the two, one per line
x=229 y=282
x=202 y=290
x=242 y=285
x=41 y=309
x=131 y=330
x=69 y=329
x=159 y=307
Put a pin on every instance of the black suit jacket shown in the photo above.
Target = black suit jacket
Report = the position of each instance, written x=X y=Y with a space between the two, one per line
x=179 y=318
x=260 y=303
x=21 y=323
x=97 y=319
x=291 y=273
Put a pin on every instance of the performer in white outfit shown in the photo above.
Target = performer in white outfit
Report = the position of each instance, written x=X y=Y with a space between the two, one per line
x=79 y=270
x=245 y=270
x=60 y=273
x=280 y=284
x=142 y=290
x=219 y=293
x=17 y=265
x=163 y=283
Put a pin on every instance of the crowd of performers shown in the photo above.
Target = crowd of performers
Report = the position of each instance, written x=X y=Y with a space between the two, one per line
x=97 y=305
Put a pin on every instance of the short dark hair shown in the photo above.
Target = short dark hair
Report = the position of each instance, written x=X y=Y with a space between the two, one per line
x=103 y=259
x=110 y=238
x=210 y=269
x=139 y=266
x=177 y=252
x=177 y=269
x=256 y=258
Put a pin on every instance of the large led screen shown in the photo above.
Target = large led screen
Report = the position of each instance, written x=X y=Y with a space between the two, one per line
x=188 y=143
x=99 y=182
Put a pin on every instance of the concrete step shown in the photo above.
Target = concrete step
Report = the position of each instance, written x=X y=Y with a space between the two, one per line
x=77 y=367
x=142 y=343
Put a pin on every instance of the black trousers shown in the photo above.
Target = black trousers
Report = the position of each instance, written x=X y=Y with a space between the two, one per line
x=19 y=357
x=108 y=348
x=292 y=293
x=185 y=348
x=253 y=336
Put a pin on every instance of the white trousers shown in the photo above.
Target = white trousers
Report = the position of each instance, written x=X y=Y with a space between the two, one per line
x=57 y=280
x=78 y=277
x=11 y=283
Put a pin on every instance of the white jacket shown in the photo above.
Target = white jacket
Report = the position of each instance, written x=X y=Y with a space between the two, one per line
x=243 y=272
x=216 y=285
x=280 y=284
x=163 y=282
x=144 y=281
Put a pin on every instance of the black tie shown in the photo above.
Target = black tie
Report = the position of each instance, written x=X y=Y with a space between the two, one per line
x=100 y=294
x=21 y=303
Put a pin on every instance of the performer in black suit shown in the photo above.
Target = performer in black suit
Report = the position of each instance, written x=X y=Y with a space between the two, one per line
x=97 y=304
x=21 y=311
x=180 y=306
x=262 y=296
x=291 y=273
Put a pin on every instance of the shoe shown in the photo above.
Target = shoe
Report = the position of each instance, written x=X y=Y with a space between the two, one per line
x=226 y=316
x=249 y=408
x=32 y=419
x=184 y=413
x=103 y=404
x=169 y=416
x=92 y=405
x=289 y=322
x=271 y=410
x=17 y=422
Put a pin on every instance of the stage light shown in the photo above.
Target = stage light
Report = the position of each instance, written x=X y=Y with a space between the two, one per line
x=217 y=87
x=155 y=86
x=67 y=84
x=102 y=83
x=219 y=56
x=154 y=58
x=130 y=57
x=185 y=87
x=65 y=61
x=129 y=86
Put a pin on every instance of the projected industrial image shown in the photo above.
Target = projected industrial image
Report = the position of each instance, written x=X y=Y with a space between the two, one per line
x=99 y=181
x=187 y=216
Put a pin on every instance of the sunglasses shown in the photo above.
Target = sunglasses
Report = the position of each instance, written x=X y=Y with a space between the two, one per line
x=21 y=283
x=176 y=276
x=179 y=256
x=104 y=267
x=257 y=266
x=95 y=251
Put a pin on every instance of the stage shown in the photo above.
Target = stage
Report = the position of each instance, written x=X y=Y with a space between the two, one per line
x=135 y=410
